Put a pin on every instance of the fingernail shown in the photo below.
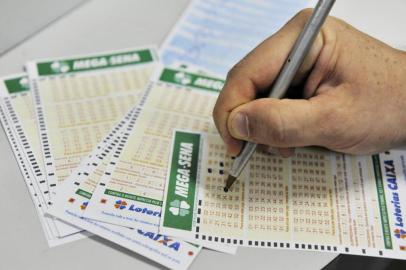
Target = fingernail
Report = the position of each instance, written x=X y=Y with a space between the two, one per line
x=240 y=125
x=273 y=151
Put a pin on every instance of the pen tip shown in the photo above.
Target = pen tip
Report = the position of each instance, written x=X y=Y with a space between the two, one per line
x=230 y=180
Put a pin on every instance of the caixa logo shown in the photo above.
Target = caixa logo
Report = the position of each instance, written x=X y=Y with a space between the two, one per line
x=400 y=233
x=164 y=240
x=84 y=205
x=121 y=204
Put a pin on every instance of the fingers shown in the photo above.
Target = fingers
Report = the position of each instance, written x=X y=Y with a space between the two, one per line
x=279 y=124
x=256 y=73
x=286 y=152
x=283 y=152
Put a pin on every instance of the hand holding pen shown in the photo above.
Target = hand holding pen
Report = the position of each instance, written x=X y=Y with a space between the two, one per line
x=344 y=80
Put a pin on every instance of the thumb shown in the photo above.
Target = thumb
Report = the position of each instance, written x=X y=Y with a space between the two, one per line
x=277 y=123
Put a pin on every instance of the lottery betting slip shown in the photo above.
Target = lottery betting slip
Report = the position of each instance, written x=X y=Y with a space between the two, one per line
x=315 y=200
x=209 y=32
x=74 y=194
x=130 y=190
x=78 y=99
x=18 y=120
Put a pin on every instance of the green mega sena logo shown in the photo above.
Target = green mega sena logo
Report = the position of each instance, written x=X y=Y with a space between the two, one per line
x=184 y=78
x=182 y=181
x=17 y=84
x=95 y=62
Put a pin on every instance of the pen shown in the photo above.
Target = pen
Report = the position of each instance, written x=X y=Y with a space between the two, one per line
x=285 y=77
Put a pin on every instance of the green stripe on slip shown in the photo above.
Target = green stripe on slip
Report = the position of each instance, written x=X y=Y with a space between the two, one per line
x=183 y=78
x=121 y=59
x=16 y=85
x=382 y=202
x=132 y=197
x=180 y=197
x=83 y=193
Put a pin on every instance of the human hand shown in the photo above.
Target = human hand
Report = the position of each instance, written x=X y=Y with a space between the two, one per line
x=354 y=90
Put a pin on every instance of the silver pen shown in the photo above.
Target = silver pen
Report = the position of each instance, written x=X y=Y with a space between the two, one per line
x=285 y=77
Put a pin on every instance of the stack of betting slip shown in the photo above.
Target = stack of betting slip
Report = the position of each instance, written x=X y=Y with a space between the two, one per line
x=70 y=122
x=122 y=145
x=71 y=110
